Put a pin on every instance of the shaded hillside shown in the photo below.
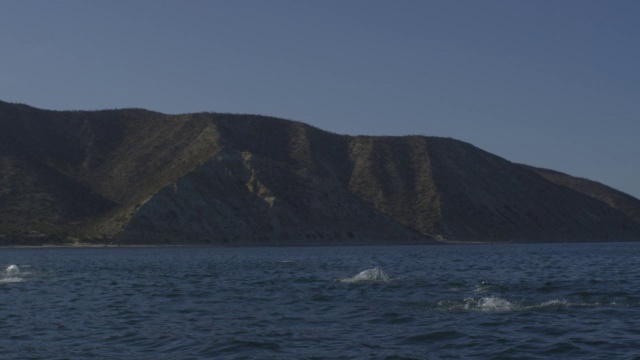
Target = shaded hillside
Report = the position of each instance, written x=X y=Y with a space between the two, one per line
x=628 y=205
x=32 y=193
x=483 y=196
x=135 y=176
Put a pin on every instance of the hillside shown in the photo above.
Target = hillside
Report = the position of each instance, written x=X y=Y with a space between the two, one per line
x=626 y=204
x=138 y=177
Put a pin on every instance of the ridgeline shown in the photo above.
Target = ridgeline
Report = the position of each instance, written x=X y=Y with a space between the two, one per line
x=134 y=176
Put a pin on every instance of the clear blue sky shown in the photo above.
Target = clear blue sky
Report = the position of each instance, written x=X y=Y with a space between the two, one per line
x=548 y=83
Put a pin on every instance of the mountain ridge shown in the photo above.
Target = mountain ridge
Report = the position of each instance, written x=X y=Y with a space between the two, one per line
x=134 y=176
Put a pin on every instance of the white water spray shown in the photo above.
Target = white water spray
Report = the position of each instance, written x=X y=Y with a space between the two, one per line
x=369 y=275
x=11 y=275
x=12 y=270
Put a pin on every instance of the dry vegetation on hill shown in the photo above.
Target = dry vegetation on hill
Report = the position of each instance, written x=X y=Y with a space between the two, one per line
x=135 y=176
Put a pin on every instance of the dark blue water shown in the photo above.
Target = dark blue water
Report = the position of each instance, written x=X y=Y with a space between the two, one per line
x=531 y=301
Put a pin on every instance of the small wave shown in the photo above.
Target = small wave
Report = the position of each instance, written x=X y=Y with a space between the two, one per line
x=555 y=304
x=8 y=280
x=484 y=304
x=498 y=304
x=288 y=262
x=551 y=304
x=369 y=275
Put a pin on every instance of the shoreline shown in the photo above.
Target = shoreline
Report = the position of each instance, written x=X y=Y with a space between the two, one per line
x=439 y=243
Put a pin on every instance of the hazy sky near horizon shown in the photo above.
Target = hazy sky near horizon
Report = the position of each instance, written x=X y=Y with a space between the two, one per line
x=549 y=83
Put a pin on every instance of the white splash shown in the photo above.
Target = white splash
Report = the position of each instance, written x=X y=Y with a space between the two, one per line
x=494 y=304
x=485 y=304
x=12 y=269
x=11 y=275
x=369 y=275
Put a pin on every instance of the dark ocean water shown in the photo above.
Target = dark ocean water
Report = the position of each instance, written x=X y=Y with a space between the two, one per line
x=579 y=301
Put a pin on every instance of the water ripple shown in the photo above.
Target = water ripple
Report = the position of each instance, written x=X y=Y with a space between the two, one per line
x=533 y=301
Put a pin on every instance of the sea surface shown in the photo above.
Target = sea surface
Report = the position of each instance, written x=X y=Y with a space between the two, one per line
x=529 y=301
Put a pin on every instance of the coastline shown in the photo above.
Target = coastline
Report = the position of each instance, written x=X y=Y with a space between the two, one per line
x=84 y=245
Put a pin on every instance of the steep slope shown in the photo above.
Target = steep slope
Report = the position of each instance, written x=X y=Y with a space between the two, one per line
x=135 y=176
x=112 y=151
x=626 y=204
x=453 y=190
x=32 y=193
x=274 y=182
x=242 y=198
x=394 y=175
x=122 y=156
x=484 y=197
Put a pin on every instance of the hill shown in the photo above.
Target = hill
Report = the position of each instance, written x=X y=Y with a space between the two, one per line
x=134 y=176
